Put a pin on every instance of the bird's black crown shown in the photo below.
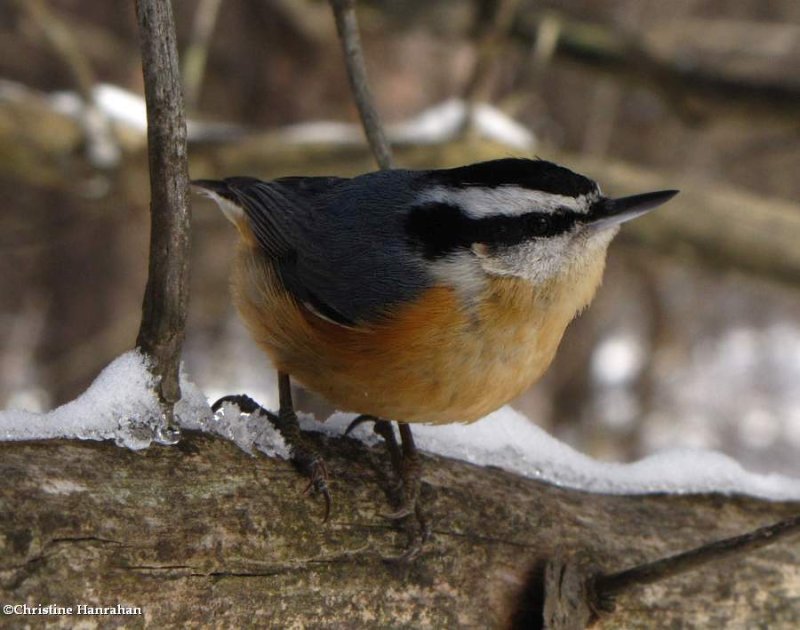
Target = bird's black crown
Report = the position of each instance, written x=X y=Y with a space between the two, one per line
x=525 y=173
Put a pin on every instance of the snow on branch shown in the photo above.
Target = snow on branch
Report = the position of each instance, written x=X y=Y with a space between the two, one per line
x=120 y=405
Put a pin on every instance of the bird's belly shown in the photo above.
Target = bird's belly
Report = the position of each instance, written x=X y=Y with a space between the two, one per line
x=437 y=362
x=431 y=361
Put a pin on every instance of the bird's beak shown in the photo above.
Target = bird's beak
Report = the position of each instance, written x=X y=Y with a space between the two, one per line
x=606 y=213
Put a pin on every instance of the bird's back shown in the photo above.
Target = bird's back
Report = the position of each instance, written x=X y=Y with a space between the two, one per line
x=337 y=244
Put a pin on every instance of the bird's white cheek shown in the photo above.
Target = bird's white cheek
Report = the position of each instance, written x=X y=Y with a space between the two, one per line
x=536 y=261
x=587 y=247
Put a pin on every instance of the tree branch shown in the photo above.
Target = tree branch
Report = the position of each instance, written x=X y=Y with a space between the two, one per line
x=204 y=532
x=167 y=293
x=347 y=26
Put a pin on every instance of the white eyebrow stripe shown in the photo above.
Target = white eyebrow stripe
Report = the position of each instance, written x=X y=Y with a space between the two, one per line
x=478 y=202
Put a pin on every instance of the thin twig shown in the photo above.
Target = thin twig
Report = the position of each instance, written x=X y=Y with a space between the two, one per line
x=167 y=294
x=613 y=584
x=347 y=25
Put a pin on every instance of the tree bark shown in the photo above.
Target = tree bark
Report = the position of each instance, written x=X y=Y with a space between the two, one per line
x=203 y=534
x=167 y=293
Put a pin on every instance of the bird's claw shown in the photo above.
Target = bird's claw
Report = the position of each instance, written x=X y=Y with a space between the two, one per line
x=318 y=484
x=418 y=537
x=303 y=456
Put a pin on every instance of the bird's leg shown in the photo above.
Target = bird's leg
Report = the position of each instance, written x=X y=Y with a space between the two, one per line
x=411 y=476
x=304 y=455
x=384 y=429
x=407 y=467
x=410 y=472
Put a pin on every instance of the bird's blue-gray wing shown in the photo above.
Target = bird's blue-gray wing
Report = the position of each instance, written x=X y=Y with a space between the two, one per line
x=338 y=244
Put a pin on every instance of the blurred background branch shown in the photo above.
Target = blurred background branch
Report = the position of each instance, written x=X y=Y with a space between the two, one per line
x=196 y=54
x=491 y=38
x=101 y=146
x=688 y=62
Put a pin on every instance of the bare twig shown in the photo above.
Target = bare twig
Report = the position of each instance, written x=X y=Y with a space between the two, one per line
x=563 y=594
x=347 y=25
x=196 y=54
x=613 y=584
x=167 y=293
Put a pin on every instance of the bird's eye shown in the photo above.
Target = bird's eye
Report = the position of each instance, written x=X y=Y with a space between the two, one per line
x=552 y=223
x=541 y=223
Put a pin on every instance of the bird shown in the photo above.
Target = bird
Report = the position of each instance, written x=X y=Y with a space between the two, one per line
x=431 y=296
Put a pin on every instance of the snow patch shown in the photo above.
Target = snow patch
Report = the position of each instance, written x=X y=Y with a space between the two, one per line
x=617 y=360
x=509 y=440
x=437 y=124
x=120 y=405
x=250 y=432
x=444 y=121
x=128 y=110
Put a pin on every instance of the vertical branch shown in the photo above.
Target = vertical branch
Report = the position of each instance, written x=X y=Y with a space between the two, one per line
x=347 y=25
x=166 y=296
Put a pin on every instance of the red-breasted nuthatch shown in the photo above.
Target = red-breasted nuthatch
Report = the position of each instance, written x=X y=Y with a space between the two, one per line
x=420 y=296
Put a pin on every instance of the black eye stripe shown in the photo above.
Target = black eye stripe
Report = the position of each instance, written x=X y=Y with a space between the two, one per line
x=436 y=228
x=439 y=228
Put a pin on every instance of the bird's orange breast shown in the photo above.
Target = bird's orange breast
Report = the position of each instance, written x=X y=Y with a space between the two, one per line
x=431 y=360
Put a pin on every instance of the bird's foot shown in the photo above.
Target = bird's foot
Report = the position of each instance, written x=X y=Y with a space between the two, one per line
x=405 y=491
x=305 y=456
